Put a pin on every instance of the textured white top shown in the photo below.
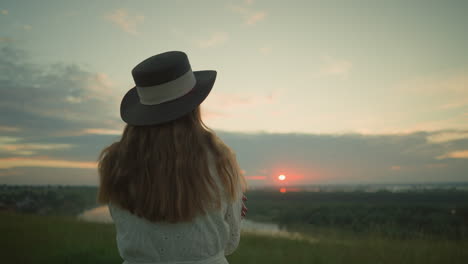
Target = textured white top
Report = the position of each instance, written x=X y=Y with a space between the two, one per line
x=207 y=239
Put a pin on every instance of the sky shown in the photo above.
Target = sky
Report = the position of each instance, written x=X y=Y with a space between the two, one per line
x=320 y=91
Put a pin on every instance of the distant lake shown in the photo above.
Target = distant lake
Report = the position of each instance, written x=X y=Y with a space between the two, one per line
x=102 y=215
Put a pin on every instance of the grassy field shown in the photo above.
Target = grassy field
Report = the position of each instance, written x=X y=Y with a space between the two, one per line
x=63 y=239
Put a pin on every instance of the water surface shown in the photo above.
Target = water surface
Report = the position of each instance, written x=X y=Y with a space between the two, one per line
x=102 y=215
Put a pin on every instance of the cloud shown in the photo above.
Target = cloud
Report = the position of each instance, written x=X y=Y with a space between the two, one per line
x=214 y=40
x=255 y=17
x=8 y=163
x=447 y=136
x=9 y=129
x=232 y=100
x=335 y=67
x=454 y=121
x=432 y=102
x=60 y=112
x=4 y=12
x=102 y=131
x=249 y=15
x=67 y=114
x=239 y=10
x=209 y=114
x=46 y=175
x=49 y=99
x=461 y=154
x=226 y=104
x=454 y=83
x=30 y=148
x=6 y=140
x=227 y=100
x=303 y=158
x=455 y=103
x=436 y=165
x=449 y=91
x=8 y=172
x=125 y=21
x=329 y=158
x=266 y=50
x=5 y=40
x=27 y=27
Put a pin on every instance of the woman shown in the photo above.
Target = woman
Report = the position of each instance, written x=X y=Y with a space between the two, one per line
x=174 y=189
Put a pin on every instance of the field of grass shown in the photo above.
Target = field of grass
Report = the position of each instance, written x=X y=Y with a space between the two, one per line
x=28 y=238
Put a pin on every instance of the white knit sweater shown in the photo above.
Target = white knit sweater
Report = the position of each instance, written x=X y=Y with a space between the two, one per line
x=207 y=239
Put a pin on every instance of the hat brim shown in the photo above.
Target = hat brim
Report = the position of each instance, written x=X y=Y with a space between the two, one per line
x=135 y=113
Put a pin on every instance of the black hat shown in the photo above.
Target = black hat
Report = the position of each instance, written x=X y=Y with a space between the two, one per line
x=165 y=89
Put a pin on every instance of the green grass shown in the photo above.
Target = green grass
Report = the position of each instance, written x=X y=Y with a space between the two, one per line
x=64 y=239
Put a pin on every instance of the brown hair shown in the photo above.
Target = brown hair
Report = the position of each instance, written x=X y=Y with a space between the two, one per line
x=160 y=172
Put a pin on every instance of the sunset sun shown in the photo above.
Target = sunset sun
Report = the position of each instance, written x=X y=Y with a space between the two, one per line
x=282 y=177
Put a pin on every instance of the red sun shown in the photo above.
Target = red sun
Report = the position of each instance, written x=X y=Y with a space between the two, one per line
x=282 y=177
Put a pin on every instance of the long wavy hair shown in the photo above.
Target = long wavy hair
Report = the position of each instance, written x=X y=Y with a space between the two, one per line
x=161 y=172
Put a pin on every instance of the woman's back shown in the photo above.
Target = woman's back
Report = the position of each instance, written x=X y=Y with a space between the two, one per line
x=207 y=238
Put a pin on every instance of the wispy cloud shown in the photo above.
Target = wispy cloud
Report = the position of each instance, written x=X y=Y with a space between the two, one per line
x=449 y=123
x=6 y=140
x=9 y=172
x=209 y=114
x=447 y=136
x=335 y=67
x=8 y=163
x=249 y=15
x=224 y=100
x=242 y=10
x=125 y=21
x=27 y=27
x=9 y=129
x=433 y=102
x=455 y=103
x=214 y=40
x=30 y=148
x=255 y=17
x=265 y=50
x=5 y=40
x=232 y=105
x=436 y=165
x=4 y=12
x=460 y=154
x=99 y=84
x=102 y=131
x=453 y=83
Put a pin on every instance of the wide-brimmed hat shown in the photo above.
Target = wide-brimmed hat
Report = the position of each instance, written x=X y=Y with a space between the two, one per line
x=165 y=89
